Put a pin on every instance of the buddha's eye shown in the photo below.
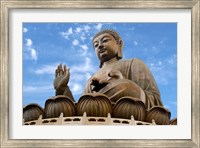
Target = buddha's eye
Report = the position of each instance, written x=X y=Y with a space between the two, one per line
x=105 y=40
x=96 y=45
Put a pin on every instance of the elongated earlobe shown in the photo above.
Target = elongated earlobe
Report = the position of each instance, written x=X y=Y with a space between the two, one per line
x=101 y=64
x=120 y=47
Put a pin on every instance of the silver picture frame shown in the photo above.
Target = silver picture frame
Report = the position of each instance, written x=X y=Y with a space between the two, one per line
x=7 y=5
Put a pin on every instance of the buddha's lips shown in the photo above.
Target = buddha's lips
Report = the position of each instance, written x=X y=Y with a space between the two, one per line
x=102 y=50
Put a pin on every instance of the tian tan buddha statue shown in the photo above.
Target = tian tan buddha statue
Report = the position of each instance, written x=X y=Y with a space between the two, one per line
x=116 y=78
x=123 y=88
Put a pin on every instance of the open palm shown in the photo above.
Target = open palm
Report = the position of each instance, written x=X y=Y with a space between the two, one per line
x=62 y=76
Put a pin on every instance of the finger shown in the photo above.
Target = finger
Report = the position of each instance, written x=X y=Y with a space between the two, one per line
x=60 y=66
x=94 y=81
x=115 y=74
x=61 y=70
x=65 y=69
x=56 y=72
x=103 y=82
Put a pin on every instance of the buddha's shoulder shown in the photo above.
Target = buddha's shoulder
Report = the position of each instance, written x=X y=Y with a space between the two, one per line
x=132 y=61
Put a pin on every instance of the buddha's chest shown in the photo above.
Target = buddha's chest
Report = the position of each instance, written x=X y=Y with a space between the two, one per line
x=102 y=74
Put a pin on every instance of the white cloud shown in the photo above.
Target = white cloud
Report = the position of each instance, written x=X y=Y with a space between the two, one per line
x=87 y=75
x=154 y=48
x=29 y=42
x=167 y=106
x=76 y=88
x=67 y=33
x=77 y=76
x=91 y=38
x=33 y=54
x=85 y=67
x=163 y=70
x=155 y=67
x=135 y=43
x=170 y=104
x=75 y=42
x=25 y=30
x=132 y=28
x=162 y=41
x=83 y=71
x=173 y=102
x=85 y=49
x=157 y=71
x=38 y=89
x=46 y=69
x=86 y=28
x=80 y=74
x=70 y=31
x=172 y=59
x=83 y=37
x=29 y=88
x=99 y=26
x=78 y=29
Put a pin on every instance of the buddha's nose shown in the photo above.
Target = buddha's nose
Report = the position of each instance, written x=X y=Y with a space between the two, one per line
x=100 y=46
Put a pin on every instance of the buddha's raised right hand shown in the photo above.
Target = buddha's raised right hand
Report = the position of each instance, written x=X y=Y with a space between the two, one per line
x=61 y=80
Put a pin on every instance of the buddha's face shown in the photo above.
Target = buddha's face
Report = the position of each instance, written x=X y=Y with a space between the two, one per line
x=106 y=47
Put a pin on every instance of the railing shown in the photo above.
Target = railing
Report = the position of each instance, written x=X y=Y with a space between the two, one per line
x=84 y=120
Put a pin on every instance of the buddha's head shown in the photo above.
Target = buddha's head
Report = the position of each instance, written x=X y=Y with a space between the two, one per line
x=108 y=45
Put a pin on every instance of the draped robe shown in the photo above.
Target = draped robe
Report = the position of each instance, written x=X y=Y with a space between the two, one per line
x=134 y=71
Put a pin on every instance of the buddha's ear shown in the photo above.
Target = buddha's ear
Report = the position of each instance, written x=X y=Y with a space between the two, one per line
x=101 y=64
x=120 y=43
x=120 y=47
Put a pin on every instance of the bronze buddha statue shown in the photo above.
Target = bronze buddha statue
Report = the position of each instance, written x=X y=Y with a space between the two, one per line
x=116 y=78
x=123 y=88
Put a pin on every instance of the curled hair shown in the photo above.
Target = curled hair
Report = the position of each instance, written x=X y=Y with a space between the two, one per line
x=111 y=32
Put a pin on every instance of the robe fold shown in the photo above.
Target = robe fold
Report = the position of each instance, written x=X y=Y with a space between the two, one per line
x=134 y=72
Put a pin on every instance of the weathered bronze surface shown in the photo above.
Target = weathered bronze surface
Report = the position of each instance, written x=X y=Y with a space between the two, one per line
x=62 y=76
x=173 y=121
x=191 y=5
x=127 y=107
x=94 y=104
x=121 y=88
x=32 y=112
x=57 y=105
x=121 y=78
x=159 y=114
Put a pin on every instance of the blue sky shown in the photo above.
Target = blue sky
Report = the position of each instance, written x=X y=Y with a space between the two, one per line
x=45 y=45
